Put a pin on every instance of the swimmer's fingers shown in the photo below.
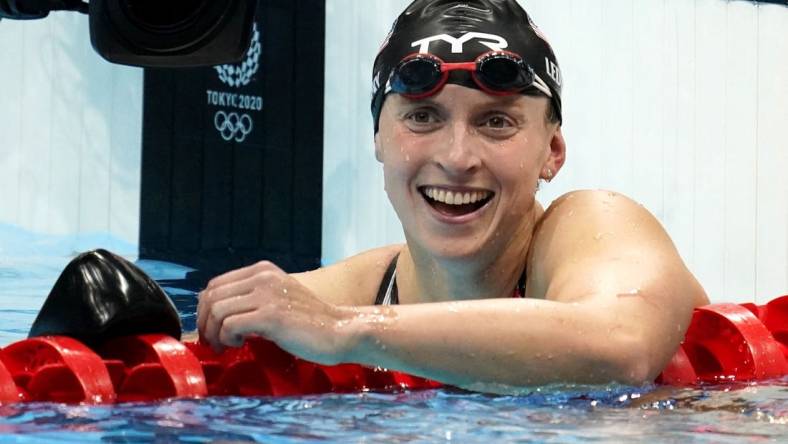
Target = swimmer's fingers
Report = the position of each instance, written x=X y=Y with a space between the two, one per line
x=236 y=328
x=265 y=275
x=223 y=310
x=242 y=273
x=209 y=297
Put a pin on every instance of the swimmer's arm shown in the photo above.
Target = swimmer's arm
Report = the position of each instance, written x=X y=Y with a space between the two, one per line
x=352 y=281
x=617 y=305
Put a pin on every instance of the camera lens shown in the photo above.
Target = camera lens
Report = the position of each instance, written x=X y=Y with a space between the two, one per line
x=169 y=15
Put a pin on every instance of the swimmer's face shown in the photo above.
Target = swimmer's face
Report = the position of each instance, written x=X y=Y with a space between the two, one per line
x=485 y=152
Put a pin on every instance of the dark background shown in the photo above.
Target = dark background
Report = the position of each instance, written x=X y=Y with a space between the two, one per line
x=216 y=205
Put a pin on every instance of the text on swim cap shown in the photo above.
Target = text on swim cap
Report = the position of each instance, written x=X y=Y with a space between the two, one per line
x=553 y=71
x=494 y=42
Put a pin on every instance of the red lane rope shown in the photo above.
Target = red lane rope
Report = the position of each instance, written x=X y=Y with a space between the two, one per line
x=724 y=342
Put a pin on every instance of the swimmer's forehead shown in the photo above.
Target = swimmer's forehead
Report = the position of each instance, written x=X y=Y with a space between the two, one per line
x=456 y=95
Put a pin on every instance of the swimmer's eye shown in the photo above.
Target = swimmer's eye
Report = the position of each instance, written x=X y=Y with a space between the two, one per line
x=422 y=119
x=497 y=122
x=421 y=116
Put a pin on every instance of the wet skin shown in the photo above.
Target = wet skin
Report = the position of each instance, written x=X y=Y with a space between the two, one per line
x=464 y=140
x=608 y=297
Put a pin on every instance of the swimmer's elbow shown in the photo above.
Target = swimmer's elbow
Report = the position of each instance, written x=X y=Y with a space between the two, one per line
x=632 y=361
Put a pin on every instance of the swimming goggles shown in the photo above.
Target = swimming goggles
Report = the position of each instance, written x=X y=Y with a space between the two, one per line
x=496 y=73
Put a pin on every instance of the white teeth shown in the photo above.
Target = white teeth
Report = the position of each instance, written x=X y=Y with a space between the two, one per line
x=455 y=198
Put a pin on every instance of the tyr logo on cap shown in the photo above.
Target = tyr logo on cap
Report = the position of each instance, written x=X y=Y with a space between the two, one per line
x=492 y=41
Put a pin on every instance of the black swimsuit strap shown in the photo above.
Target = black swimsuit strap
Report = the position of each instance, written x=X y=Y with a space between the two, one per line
x=387 y=281
x=521 y=285
x=384 y=284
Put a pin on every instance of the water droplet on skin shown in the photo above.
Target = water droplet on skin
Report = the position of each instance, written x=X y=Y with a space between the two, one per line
x=600 y=236
x=407 y=158
x=571 y=213
x=632 y=292
x=284 y=290
x=289 y=307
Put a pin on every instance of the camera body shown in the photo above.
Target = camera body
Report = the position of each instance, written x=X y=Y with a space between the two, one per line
x=176 y=33
x=172 y=33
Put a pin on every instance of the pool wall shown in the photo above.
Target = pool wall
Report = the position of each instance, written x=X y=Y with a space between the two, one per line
x=679 y=104
x=70 y=132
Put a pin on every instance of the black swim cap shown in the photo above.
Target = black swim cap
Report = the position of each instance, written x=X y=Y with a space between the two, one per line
x=460 y=31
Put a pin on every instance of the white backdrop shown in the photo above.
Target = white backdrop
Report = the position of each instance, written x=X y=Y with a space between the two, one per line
x=681 y=104
x=70 y=132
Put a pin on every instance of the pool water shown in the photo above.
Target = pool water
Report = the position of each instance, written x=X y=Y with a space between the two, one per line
x=728 y=414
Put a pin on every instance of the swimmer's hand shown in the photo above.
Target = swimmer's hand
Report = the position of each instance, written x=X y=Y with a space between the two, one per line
x=263 y=300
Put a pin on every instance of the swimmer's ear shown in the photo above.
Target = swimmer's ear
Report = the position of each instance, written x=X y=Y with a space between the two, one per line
x=378 y=149
x=557 y=156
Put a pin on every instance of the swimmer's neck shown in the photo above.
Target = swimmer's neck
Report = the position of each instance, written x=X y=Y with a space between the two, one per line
x=426 y=278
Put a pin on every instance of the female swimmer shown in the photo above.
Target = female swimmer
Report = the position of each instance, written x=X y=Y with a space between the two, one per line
x=489 y=288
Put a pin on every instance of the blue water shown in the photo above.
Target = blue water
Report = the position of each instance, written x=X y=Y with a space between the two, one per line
x=726 y=414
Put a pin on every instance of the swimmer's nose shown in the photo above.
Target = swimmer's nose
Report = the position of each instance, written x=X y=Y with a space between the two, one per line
x=457 y=154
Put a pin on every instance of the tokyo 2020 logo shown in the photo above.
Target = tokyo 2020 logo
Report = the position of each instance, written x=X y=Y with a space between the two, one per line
x=237 y=125
x=240 y=75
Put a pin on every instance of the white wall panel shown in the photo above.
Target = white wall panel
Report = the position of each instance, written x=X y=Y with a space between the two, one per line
x=11 y=76
x=772 y=160
x=680 y=104
x=36 y=103
x=679 y=128
x=648 y=103
x=740 y=175
x=710 y=100
x=616 y=112
x=68 y=99
x=70 y=132
x=585 y=75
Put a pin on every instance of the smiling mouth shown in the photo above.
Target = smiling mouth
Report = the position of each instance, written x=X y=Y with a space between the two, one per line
x=455 y=203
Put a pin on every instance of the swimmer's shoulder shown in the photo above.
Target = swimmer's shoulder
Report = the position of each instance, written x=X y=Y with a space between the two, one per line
x=587 y=227
x=353 y=281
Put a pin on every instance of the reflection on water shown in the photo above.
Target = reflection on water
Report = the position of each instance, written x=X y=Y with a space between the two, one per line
x=750 y=413
x=726 y=414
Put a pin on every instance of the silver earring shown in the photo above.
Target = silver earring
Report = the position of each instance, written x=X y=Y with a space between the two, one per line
x=549 y=174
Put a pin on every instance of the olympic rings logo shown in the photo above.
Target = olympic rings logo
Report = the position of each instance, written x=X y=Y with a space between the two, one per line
x=232 y=126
